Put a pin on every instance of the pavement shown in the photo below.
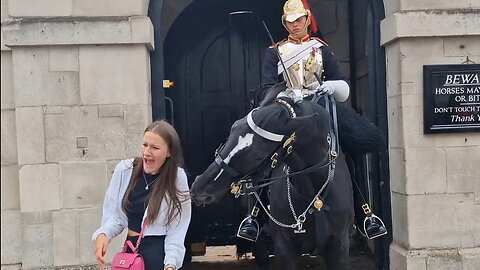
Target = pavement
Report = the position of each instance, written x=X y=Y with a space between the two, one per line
x=224 y=258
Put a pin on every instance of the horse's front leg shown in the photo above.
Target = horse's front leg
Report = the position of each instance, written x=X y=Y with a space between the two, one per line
x=261 y=253
x=337 y=256
x=285 y=255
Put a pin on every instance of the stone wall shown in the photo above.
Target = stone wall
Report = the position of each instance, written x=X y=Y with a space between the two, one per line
x=75 y=100
x=435 y=178
x=75 y=97
x=11 y=225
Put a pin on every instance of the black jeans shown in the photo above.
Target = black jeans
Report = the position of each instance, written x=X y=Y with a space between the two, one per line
x=152 y=249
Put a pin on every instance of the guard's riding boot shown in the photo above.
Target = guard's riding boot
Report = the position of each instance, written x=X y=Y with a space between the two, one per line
x=373 y=226
x=249 y=229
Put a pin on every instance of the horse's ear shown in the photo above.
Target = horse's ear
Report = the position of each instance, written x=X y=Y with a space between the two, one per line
x=272 y=92
x=295 y=124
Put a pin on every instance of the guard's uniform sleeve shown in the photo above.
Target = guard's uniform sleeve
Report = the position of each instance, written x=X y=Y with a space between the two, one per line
x=270 y=75
x=331 y=66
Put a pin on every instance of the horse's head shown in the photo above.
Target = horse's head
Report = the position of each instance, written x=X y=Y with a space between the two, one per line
x=251 y=143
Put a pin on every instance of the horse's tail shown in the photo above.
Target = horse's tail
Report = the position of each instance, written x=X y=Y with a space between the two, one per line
x=356 y=133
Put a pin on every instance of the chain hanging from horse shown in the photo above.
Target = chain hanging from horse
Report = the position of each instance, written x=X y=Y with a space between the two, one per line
x=245 y=186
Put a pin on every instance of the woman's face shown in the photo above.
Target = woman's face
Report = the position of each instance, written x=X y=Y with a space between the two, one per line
x=296 y=27
x=155 y=152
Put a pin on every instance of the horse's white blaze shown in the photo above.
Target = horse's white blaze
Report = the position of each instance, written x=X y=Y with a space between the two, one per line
x=243 y=142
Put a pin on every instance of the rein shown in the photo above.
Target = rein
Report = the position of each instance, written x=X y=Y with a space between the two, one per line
x=246 y=186
x=239 y=189
x=318 y=200
x=271 y=180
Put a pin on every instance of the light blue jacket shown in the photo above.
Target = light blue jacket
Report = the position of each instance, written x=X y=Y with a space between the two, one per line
x=114 y=219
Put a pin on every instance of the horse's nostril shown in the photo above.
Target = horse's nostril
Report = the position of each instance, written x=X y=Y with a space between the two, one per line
x=209 y=199
x=203 y=199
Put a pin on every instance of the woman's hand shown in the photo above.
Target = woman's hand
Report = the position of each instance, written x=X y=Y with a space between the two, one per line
x=101 y=245
x=170 y=267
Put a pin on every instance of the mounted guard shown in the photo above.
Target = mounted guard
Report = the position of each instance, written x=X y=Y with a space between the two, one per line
x=310 y=70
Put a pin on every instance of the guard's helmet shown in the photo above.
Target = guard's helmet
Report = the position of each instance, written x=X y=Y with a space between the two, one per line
x=294 y=9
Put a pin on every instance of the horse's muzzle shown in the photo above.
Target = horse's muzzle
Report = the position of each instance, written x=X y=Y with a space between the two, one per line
x=202 y=199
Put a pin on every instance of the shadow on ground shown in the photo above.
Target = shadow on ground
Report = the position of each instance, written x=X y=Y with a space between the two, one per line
x=223 y=258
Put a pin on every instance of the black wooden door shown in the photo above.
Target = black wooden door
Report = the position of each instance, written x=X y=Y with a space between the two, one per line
x=214 y=73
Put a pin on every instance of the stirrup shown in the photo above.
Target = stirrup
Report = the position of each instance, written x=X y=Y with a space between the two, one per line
x=373 y=227
x=253 y=233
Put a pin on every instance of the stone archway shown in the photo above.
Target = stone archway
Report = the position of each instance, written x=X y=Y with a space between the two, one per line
x=335 y=27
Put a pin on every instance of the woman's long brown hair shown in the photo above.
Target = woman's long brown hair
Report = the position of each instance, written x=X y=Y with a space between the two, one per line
x=166 y=185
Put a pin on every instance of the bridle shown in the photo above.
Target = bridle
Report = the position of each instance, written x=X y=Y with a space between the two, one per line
x=285 y=148
x=264 y=134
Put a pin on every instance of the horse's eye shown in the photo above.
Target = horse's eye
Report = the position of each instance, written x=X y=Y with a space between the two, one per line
x=258 y=156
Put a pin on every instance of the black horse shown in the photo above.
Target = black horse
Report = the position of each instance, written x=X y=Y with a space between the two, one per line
x=290 y=149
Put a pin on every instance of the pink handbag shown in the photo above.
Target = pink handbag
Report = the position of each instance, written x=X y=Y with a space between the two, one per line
x=131 y=261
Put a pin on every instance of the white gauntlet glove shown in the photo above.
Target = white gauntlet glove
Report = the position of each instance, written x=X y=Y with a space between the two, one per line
x=327 y=87
x=338 y=88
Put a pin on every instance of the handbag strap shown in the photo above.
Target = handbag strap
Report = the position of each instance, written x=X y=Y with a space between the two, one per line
x=140 y=236
x=129 y=243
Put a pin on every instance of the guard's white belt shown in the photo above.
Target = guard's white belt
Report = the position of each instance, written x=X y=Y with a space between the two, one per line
x=300 y=52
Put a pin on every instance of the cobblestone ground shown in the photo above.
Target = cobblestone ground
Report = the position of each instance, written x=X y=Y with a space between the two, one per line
x=224 y=258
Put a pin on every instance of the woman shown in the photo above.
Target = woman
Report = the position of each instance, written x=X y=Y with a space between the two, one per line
x=150 y=191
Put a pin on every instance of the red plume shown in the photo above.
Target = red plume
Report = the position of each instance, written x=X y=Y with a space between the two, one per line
x=313 y=23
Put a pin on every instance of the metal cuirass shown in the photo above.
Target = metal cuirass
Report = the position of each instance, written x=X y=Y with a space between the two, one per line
x=301 y=61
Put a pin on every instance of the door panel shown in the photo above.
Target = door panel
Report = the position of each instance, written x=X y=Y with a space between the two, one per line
x=214 y=72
